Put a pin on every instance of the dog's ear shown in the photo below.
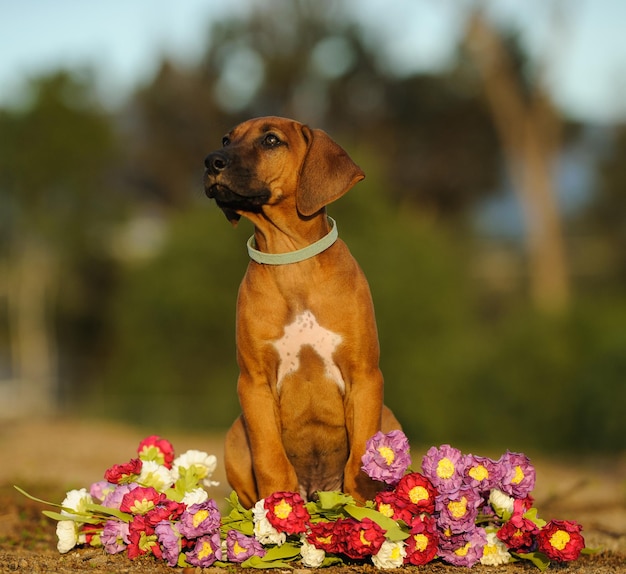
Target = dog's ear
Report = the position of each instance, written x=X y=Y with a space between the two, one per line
x=326 y=173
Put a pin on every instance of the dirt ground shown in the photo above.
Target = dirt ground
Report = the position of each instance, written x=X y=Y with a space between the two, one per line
x=49 y=457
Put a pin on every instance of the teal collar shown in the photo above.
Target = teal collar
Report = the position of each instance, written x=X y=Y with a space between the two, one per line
x=294 y=256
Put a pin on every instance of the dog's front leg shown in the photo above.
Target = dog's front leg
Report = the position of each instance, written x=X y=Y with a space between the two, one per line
x=273 y=472
x=364 y=404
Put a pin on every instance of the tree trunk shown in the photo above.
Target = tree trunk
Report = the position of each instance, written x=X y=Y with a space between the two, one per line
x=529 y=128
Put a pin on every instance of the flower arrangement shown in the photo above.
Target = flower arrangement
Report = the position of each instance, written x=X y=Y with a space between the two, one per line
x=461 y=509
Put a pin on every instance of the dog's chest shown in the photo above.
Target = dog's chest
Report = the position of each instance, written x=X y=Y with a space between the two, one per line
x=305 y=330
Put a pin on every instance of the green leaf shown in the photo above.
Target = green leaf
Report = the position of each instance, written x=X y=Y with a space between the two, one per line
x=531 y=515
x=333 y=500
x=21 y=491
x=258 y=562
x=539 y=559
x=123 y=516
x=393 y=530
x=82 y=519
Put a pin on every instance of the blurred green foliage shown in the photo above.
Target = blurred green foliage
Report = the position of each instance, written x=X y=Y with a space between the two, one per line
x=144 y=324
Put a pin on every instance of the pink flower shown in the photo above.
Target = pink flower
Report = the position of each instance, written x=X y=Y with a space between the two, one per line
x=561 y=540
x=387 y=457
x=124 y=473
x=444 y=467
x=482 y=473
x=286 y=512
x=206 y=551
x=417 y=492
x=141 y=500
x=240 y=547
x=200 y=519
x=518 y=474
x=169 y=538
x=114 y=536
x=157 y=449
x=465 y=549
x=458 y=510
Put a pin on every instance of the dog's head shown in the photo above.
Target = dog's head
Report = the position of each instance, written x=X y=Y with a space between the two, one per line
x=271 y=161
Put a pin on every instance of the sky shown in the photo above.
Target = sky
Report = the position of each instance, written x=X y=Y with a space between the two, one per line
x=125 y=40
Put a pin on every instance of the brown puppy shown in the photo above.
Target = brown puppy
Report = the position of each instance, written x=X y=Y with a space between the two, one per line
x=310 y=388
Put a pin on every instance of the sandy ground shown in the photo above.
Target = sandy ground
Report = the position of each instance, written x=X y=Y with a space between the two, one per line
x=58 y=455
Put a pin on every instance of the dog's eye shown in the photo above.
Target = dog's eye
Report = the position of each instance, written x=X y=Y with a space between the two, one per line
x=271 y=140
x=225 y=141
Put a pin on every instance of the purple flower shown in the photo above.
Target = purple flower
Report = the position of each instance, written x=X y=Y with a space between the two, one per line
x=240 y=547
x=445 y=467
x=100 y=489
x=169 y=539
x=114 y=536
x=518 y=475
x=206 y=551
x=387 y=457
x=482 y=473
x=464 y=550
x=200 y=519
x=457 y=510
x=114 y=499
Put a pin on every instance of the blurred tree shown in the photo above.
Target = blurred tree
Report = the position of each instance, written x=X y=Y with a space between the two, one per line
x=529 y=127
x=55 y=156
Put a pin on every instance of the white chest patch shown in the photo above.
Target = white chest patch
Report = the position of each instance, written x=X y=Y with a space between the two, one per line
x=305 y=330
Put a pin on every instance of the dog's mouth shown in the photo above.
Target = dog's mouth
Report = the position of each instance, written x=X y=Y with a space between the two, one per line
x=225 y=197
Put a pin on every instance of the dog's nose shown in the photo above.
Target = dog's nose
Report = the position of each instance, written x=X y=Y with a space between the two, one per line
x=216 y=162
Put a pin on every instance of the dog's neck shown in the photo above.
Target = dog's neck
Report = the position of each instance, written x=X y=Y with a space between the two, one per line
x=294 y=256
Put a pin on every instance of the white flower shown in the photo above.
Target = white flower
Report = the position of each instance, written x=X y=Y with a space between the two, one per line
x=311 y=556
x=77 y=501
x=195 y=496
x=501 y=502
x=155 y=475
x=264 y=532
x=204 y=465
x=67 y=533
x=495 y=551
x=390 y=555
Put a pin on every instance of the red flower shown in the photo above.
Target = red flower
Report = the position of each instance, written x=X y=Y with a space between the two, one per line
x=141 y=500
x=142 y=539
x=323 y=535
x=422 y=544
x=124 y=473
x=388 y=503
x=360 y=538
x=418 y=492
x=286 y=512
x=158 y=449
x=561 y=540
x=518 y=534
x=165 y=510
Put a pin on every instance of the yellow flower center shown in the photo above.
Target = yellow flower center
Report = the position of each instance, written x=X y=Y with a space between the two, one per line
x=205 y=551
x=519 y=475
x=458 y=509
x=237 y=549
x=364 y=540
x=387 y=453
x=395 y=553
x=386 y=510
x=479 y=472
x=421 y=542
x=490 y=549
x=463 y=550
x=445 y=468
x=199 y=517
x=324 y=539
x=418 y=494
x=559 y=539
x=142 y=506
x=283 y=509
